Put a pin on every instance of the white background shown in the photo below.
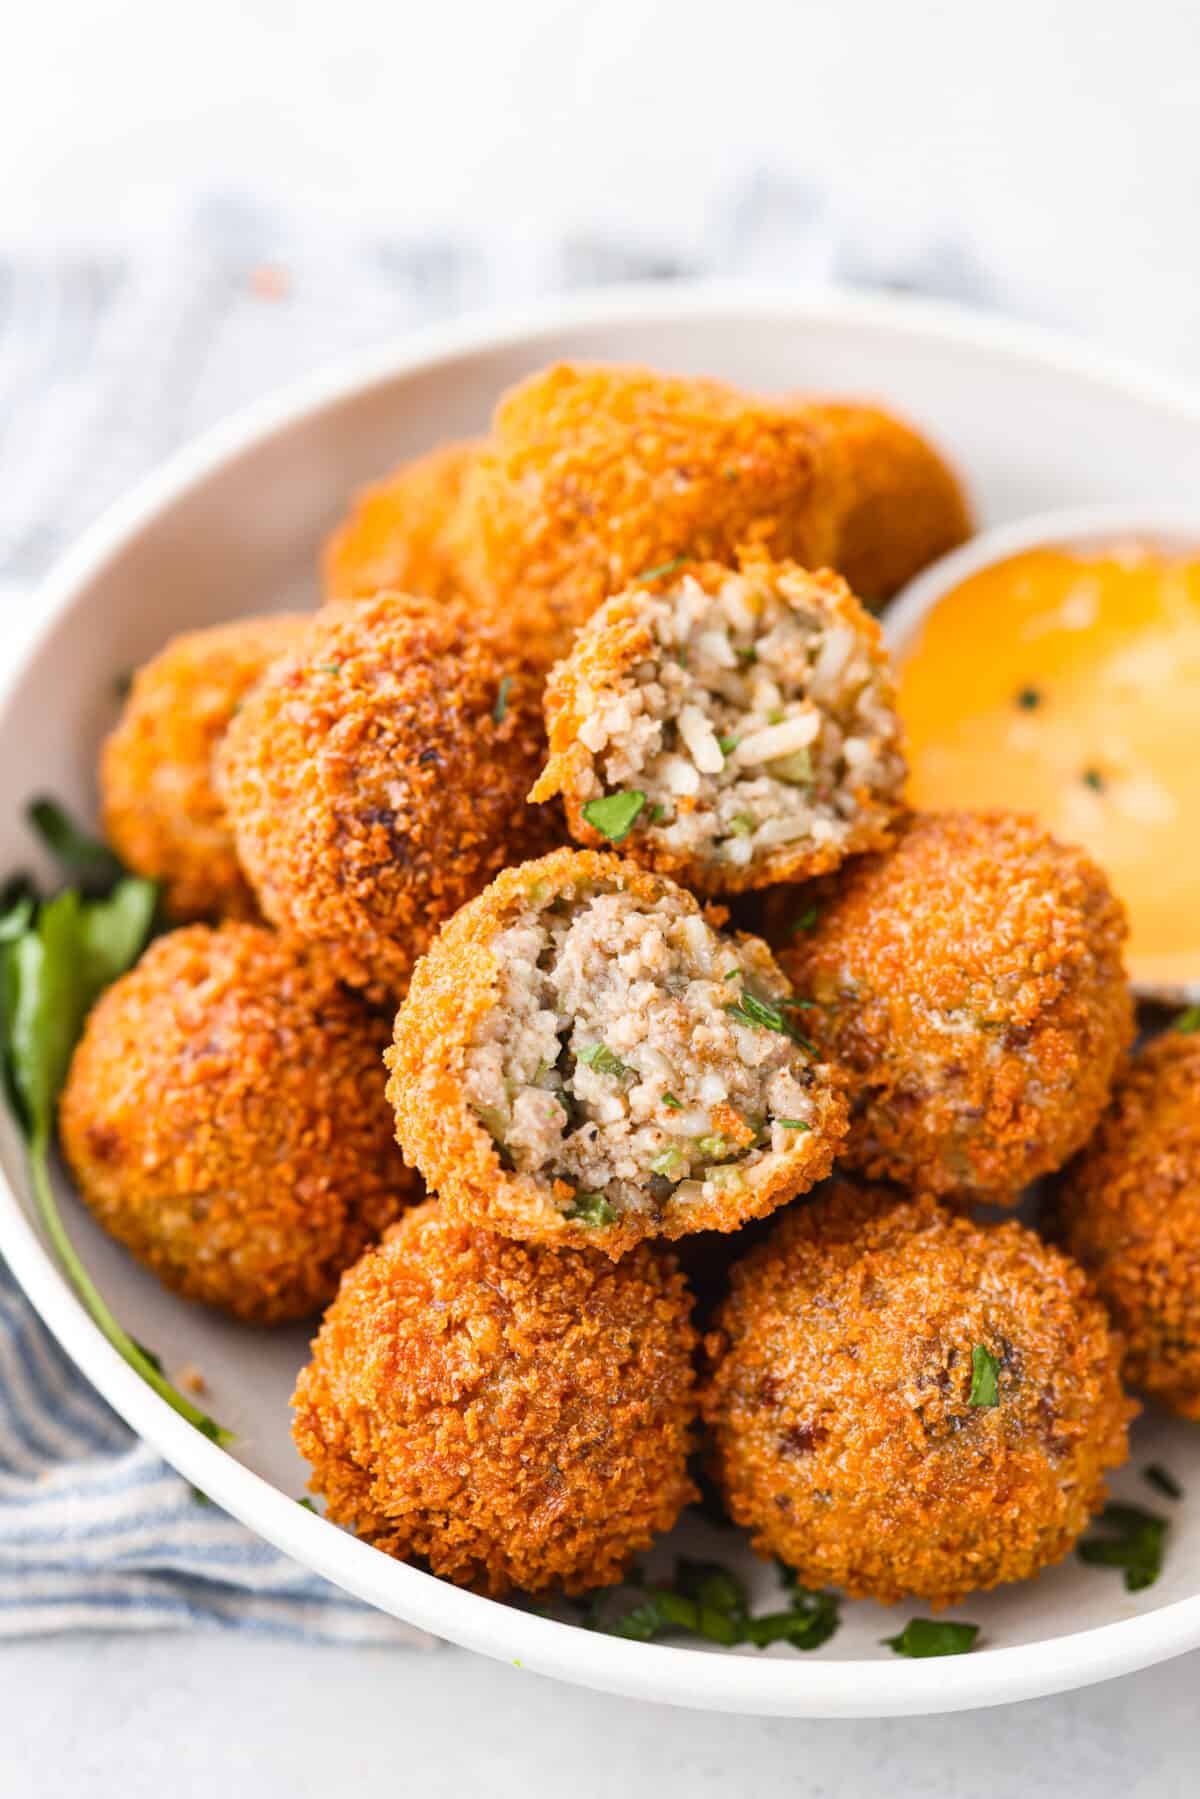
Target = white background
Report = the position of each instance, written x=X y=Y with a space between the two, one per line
x=1054 y=145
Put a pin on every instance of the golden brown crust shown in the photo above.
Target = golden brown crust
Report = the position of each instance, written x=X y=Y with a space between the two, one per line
x=969 y=983
x=161 y=810
x=595 y=475
x=612 y=642
x=453 y=988
x=224 y=1119
x=1129 y=1211
x=400 y=532
x=904 y=505
x=840 y=1406
x=372 y=787
x=514 y=1416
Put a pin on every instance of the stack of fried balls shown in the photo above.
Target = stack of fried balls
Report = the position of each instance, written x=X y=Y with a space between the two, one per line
x=580 y=803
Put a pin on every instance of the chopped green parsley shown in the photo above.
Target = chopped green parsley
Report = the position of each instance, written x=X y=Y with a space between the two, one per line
x=985 y=1370
x=602 y=1059
x=615 y=815
x=500 y=709
x=923 y=1637
x=1163 y=1480
x=1133 y=1541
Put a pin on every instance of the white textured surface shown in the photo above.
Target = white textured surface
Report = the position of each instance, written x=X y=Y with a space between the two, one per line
x=191 y=1717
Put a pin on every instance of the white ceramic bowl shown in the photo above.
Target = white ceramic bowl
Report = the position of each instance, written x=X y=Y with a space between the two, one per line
x=233 y=525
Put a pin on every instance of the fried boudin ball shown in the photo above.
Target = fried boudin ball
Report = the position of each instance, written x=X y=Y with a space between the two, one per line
x=595 y=476
x=1129 y=1211
x=904 y=506
x=377 y=779
x=750 y=717
x=906 y=1403
x=585 y=1059
x=516 y=1416
x=161 y=811
x=400 y=532
x=224 y=1120
x=969 y=982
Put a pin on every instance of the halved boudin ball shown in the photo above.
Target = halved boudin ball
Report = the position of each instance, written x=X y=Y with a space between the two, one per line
x=732 y=728
x=161 y=810
x=969 y=983
x=1129 y=1211
x=585 y=1058
x=906 y=1403
x=224 y=1119
x=377 y=779
x=514 y=1415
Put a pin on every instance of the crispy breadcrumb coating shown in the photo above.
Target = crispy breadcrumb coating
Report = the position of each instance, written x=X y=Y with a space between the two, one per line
x=224 y=1119
x=377 y=778
x=1129 y=1211
x=400 y=532
x=513 y=1416
x=904 y=505
x=161 y=812
x=969 y=983
x=582 y=1060
x=595 y=476
x=844 y=1431
x=753 y=709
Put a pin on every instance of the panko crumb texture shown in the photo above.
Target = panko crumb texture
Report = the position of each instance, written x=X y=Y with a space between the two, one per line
x=161 y=810
x=511 y=1416
x=224 y=1119
x=400 y=533
x=839 y=1402
x=969 y=982
x=1129 y=1211
x=376 y=780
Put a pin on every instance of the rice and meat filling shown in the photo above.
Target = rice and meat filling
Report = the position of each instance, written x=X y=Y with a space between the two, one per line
x=753 y=713
x=635 y=1056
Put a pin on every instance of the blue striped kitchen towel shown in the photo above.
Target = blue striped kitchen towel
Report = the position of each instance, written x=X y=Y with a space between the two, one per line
x=97 y=1532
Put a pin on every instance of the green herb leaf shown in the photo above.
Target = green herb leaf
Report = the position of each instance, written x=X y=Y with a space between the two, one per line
x=923 y=1637
x=88 y=861
x=750 y=1010
x=1163 y=1480
x=727 y=745
x=1135 y=1542
x=794 y=1124
x=308 y=1505
x=669 y=1099
x=1189 y=1022
x=747 y=653
x=591 y=1209
x=741 y=824
x=500 y=709
x=707 y=1600
x=985 y=1370
x=806 y=920
x=72 y=949
x=812 y=1620
x=664 y=568
x=615 y=815
x=602 y=1059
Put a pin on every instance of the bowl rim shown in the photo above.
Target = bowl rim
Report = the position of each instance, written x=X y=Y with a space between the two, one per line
x=1063 y=528
x=733 y=1682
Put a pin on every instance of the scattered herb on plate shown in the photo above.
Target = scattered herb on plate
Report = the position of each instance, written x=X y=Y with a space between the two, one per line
x=1163 y=1480
x=922 y=1637
x=1132 y=1540
x=708 y=1600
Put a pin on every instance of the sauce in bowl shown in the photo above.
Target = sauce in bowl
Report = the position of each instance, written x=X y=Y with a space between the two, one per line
x=1067 y=683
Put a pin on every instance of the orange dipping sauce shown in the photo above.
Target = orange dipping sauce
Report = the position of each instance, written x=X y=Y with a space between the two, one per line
x=1068 y=685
